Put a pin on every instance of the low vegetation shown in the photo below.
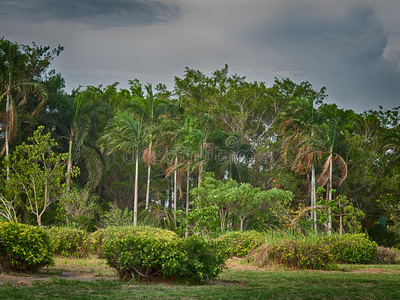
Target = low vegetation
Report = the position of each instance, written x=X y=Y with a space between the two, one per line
x=24 y=247
x=146 y=252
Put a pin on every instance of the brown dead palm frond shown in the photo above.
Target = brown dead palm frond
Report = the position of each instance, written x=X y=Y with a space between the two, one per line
x=341 y=164
x=325 y=174
x=149 y=156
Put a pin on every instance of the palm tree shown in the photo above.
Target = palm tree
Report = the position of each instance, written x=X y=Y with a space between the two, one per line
x=185 y=154
x=89 y=112
x=126 y=135
x=297 y=128
x=325 y=139
x=16 y=88
x=149 y=109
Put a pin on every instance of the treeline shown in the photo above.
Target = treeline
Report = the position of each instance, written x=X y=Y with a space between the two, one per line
x=105 y=155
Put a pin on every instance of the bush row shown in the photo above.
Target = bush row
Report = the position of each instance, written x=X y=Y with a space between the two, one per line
x=145 y=252
x=322 y=253
x=238 y=243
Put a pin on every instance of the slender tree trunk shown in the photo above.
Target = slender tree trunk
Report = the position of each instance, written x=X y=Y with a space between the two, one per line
x=7 y=129
x=241 y=224
x=330 y=195
x=69 y=165
x=187 y=200
x=175 y=187
x=201 y=166
x=340 y=219
x=148 y=178
x=135 y=203
x=313 y=198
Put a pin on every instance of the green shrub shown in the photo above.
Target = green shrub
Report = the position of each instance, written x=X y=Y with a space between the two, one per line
x=24 y=247
x=69 y=242
x=351 y=248
x=294 y=254
x=145 y=252
x=96 y=242
x=238 y=243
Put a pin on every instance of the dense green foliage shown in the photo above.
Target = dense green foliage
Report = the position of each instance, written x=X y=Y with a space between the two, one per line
x=316 y=252
x=146 y=252
x=294 y=254
x=24 y=247
x=351 y=248
x=238 y=244
x=69 y=242
x=144 y=151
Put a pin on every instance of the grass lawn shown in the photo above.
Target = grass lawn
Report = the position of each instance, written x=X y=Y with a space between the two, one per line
x=240 y=281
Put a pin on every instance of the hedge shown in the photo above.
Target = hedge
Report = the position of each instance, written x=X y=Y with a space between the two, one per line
x=146 y=252
x=24 y=247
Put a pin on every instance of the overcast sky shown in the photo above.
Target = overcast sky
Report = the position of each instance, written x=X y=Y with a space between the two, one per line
x=351 y=47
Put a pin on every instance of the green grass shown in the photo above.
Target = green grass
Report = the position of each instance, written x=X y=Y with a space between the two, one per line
x=241 y=282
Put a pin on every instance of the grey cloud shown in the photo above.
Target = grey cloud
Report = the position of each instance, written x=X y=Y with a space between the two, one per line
x=95 y=13
x=340 y=48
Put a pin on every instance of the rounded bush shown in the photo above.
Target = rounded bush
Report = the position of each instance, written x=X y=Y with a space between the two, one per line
x=69 y=242
x=238 y=244
x=24 y=247
x=351 y=248
x=146 y=252
x=296 y=255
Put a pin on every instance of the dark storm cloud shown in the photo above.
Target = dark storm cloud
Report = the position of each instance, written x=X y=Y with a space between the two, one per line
x=339 y=47
x=95 y=13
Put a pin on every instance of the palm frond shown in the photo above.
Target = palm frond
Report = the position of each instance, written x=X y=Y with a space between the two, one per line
x=342 y=167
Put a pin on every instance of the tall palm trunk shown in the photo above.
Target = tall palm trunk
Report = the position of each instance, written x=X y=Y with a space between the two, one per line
x=187 y=199
x=329 y=189
x=69 y=164
x=201 y=165
x=7 y=132
x=313 y=197
x=135 y=203
x=175 y=186
x=148 y=177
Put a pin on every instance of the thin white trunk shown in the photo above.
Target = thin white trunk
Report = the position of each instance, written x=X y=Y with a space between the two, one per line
x=330 y=196
x=69 y=165
x=187 y=200
x=313 y=198
x=340 y=219
x=135 y=203
x=175 y=187
x=7 y=132
x=149 y=176
x=148 y=186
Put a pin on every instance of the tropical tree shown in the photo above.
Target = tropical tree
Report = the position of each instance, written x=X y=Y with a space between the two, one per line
x=325 y=139
x=17 y=84
x=91 y=113
x=38 y=173
x=240 y=199
x=127 y=135
x=149 y=109
x=297 y=128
